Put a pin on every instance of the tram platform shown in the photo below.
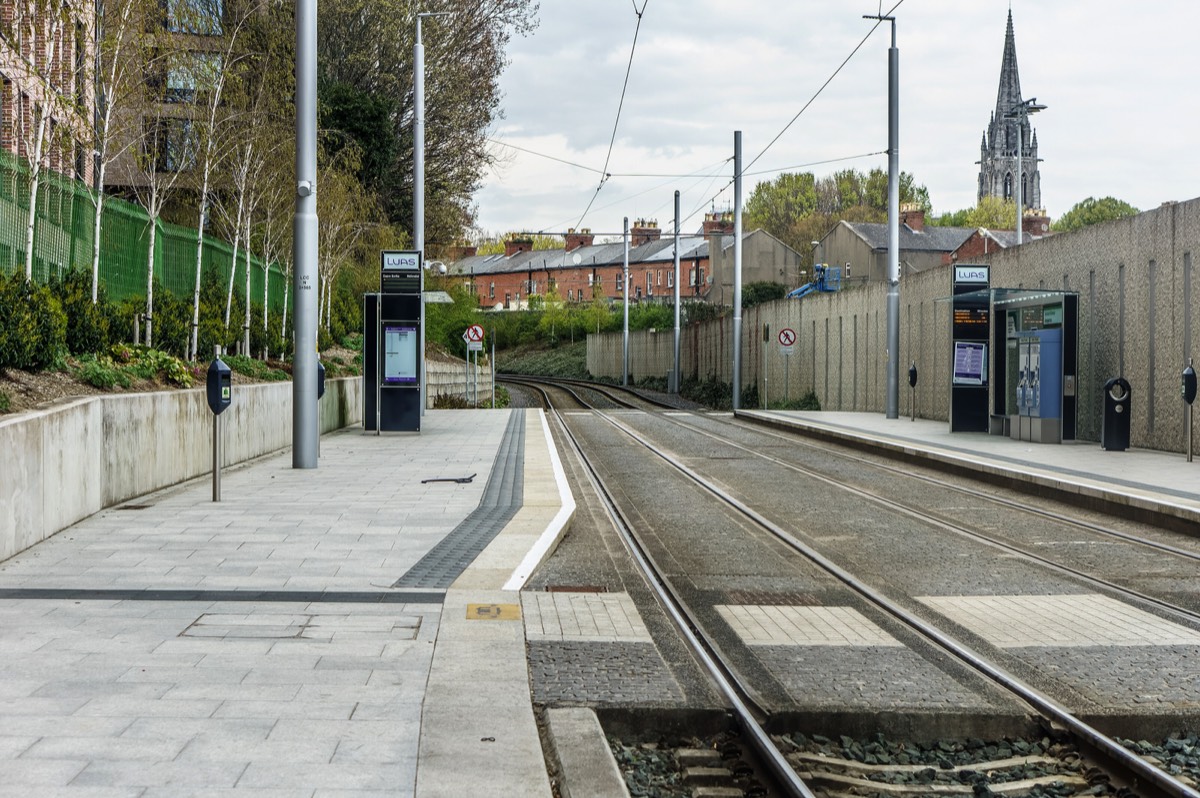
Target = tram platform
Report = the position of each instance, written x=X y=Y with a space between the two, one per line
x=1138 y=483
x=353 y=629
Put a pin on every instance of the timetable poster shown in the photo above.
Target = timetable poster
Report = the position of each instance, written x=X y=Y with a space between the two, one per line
x=400 y=355
x=970 y=363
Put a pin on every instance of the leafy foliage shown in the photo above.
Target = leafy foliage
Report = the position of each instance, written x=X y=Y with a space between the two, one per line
x=568 y=360
x=87 y=324
x=256 y=369
x=993 y=213
x=365 y=61
x=799 y=208
x=1093 y=211
x=758 y=293
x=33 y=326
x=124 y=365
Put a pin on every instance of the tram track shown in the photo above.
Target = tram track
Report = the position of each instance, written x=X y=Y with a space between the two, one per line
x=1151 y=780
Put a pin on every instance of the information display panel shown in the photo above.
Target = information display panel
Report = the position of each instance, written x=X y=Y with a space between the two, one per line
x=970 y=363
x=399 y=355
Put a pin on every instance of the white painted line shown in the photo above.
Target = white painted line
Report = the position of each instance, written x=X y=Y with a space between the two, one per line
x=549 y=538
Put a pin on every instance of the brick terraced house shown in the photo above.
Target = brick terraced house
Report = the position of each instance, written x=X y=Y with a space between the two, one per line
x=584 y=269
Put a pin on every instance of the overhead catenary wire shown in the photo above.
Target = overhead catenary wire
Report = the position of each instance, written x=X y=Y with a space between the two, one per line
x=621 y=104
x=821 y=89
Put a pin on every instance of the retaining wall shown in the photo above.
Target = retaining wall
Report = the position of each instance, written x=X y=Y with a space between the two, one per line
x=65 y=463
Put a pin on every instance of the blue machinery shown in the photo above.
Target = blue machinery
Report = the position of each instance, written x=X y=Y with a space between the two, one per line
x=826 y=279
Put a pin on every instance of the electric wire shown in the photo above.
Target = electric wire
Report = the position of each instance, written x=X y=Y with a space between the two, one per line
x=822 y=88
x=621 y=104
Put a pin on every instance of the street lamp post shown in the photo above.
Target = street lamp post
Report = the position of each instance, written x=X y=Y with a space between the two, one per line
x=419 y=175
x=1021 y=114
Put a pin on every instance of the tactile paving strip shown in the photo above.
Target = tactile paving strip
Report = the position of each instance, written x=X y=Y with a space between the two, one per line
x=598 y=617
x=502 y=497
x=769 y=625
x=1060 y=621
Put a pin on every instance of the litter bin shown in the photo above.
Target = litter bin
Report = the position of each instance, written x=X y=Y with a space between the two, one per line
x=1114 y=430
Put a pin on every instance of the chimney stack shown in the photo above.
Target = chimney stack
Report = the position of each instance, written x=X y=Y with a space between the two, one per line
x=575 y=240
x=643 y=232
x=1035 y=222
x=718 y=223
x=515 y=245
x=914 y=217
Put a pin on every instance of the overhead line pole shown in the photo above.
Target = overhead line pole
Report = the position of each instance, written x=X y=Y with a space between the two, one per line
x=737 y=269
x=625 y=291
x=305 y=431
x=893 y=277
x=675 y=371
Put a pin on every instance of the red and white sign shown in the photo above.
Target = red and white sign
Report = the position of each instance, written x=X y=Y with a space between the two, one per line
x=787 y=336
x=474 y=333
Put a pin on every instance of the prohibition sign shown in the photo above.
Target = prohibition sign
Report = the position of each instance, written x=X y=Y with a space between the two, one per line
x=474 y=333
x=787 y=336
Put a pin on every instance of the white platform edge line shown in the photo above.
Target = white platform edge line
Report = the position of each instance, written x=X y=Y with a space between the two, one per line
x=549 y=538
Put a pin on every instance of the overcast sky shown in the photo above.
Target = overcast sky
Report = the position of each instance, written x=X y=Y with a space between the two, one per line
x=1119 y=79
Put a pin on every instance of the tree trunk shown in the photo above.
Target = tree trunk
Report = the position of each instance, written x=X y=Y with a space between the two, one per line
x=35 y=168
x=150 y=284
x=96 y=233
x=237 y=237
x=246 y=322
x=194 y=343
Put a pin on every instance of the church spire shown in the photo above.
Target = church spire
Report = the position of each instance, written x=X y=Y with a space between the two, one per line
x=997 y=163
x=1009 y=95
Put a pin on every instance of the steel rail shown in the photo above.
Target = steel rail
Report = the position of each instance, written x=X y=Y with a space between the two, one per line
x=702 y=648
x=1050 y=709
x=950 y=526
x=979 y=494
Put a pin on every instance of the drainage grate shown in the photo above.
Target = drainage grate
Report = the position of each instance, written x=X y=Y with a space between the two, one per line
x=135 y=506
x=576 y=589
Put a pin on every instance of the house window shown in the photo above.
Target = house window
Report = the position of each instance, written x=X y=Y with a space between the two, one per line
x=670 y=278
x=620 y=287
x=189 y=74
x=650 y=283
x=507 y=300
x=492 y=292
x=198 y=17
x=172 y=144
x=660 y=276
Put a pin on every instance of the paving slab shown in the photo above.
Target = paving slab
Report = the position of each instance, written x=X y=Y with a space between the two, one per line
x=259 y=646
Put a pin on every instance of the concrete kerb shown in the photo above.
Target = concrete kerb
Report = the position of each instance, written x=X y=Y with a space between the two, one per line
x=1027 y=477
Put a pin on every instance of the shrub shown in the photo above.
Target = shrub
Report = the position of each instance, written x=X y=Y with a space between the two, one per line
x=5 y=402
x=33 y=326
x=87 y=323
x=255 y=369
x=101 y=372
x=711 y=392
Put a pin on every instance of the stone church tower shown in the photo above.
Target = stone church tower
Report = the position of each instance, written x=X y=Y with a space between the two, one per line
x=997 y=154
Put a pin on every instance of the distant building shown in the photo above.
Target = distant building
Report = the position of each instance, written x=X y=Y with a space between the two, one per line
x=583 y=269
x=998 y=152
x=45 y=63
x=861 y=249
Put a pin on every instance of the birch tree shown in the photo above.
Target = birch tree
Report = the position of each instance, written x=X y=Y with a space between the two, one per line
x=118 y=40
x=209 y=76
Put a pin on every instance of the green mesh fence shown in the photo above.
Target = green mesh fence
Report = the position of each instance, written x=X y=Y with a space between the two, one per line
x=63 y=239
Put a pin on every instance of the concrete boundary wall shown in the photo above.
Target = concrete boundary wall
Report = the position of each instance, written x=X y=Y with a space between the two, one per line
x=450 y=378
x=65 y=463
x=1139 y=317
